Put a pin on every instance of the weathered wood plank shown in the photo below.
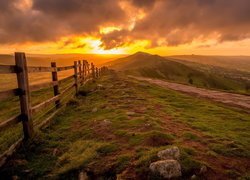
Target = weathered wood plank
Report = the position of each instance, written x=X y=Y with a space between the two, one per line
x=41 y=69
x=6 y=69
x=37 y=87
x=76 y=76
x=93 y=70
x=9 y=93
x=42 y=105
x=11 y=121
x=67 y=89
x=48 y=119
x=65 y=68
x=56 y=87
x=23 y=84
x=66 y=79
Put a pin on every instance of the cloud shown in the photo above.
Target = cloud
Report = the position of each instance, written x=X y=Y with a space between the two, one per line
x=175 y=22
x=165 y=22
x=143 y=3
x=48 y=20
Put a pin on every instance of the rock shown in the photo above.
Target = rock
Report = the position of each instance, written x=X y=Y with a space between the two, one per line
x=170 y=153
x=203 y=169
x=27 y=171
x=166 y=168
x=94 y=110
x=83 y=176
x=193 y=177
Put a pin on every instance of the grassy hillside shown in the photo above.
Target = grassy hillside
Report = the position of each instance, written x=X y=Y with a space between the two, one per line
x=155 y=66
x=115 y=129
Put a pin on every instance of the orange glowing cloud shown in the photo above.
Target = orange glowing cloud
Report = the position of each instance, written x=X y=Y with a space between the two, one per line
x=118 y=26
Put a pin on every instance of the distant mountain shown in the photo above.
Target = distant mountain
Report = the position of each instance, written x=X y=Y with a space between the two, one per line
x=241 y=63
x=154 y=66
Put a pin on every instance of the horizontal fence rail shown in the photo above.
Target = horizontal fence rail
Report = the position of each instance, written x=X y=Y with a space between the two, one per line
x=83 y=72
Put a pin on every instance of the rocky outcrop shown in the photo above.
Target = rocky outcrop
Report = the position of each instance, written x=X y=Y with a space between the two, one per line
x=168 y=167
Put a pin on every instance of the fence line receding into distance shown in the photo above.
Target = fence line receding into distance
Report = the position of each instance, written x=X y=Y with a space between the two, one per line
x=83 y=72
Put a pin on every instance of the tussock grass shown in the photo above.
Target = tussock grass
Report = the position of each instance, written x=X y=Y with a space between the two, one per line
x=120 y=126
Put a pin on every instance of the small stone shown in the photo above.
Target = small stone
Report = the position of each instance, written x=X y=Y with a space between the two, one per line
x=203 y=169
x=27 y=170
x=170 y=153
x=83 y=176
x=193 y=177
x=166 y=168
x=94 y=110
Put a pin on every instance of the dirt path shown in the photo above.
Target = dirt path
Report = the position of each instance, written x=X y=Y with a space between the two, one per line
x=231 y=99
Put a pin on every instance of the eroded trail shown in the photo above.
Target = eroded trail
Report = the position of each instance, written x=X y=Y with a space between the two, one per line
x=231 y=99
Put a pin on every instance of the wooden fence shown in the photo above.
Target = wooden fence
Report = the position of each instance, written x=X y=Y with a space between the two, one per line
x=83 y=72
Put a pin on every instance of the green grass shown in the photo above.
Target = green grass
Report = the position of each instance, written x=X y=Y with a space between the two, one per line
x=154 y=66
x=117 y=125
x=224 y=124
x=10 y=107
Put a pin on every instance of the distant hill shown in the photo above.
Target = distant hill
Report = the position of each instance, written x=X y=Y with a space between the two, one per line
x=61 y=59
x=241 y=63
x=154 y=66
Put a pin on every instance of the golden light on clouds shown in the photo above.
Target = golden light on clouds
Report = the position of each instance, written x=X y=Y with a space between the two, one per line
x=219 y=27
x=109 y=29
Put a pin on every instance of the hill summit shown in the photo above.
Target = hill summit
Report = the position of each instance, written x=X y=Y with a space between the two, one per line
x=155 y=66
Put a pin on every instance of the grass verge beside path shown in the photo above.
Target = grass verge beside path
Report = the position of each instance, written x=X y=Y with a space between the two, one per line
x=116 y=126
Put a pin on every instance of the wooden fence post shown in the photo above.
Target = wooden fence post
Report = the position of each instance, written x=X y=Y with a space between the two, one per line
x=55 y=87
x=96 y=72
x=80 y=71
x=88 y=69
x=23 y=85
x=76 y=76
x=93 y=70
x=83 y=70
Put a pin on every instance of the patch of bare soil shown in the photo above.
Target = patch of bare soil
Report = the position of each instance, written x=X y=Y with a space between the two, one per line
x=231 y=99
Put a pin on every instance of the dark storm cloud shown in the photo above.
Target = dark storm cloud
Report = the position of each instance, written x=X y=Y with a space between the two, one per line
x=50 y=19
x=166 y=22
x=143 y=3
x=175 y=22
x=115 y=39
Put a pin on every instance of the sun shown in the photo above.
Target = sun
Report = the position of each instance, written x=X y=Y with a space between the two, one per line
x=95 y=47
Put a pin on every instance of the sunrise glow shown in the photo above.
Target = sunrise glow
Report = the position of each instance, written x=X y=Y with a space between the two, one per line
x=122 y=27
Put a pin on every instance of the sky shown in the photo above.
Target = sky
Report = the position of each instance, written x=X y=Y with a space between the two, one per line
x=164 y=27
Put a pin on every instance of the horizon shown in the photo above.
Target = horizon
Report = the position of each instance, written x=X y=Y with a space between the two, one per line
x=125 y=54
x=126 y=27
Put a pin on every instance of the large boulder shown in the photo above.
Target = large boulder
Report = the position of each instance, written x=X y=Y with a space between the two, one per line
x=166 y=168
x=170 y=153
